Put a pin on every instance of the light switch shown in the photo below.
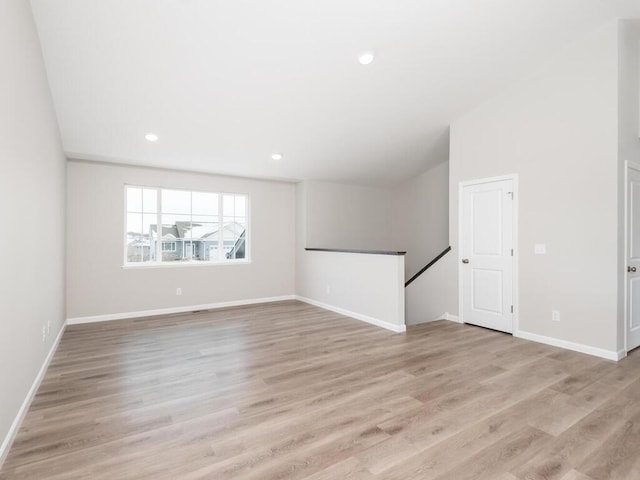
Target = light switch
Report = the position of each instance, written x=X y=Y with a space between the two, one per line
x=540 y=249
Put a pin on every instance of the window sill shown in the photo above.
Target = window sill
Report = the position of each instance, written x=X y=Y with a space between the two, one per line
x=136 y=266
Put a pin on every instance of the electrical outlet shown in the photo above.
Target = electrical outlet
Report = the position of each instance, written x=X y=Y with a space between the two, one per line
x=328 y=289
x=555 y=315
x=178 y=291
x=540 y=249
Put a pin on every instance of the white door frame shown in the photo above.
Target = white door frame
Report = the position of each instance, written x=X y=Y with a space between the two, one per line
x=516 y=247
x=635 y=166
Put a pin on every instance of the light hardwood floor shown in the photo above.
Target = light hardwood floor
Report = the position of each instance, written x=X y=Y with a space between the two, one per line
x=290 y=391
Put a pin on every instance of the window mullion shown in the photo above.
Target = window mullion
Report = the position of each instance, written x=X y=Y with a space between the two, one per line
x=221 y=252
x=159 y=226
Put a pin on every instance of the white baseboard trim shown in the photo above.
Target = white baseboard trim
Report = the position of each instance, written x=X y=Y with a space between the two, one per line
x=422 y=322
x=168 y=311
x=451 y=318
x=576 y=347
x=358 y=316
x=444 y=316
x=15 y=426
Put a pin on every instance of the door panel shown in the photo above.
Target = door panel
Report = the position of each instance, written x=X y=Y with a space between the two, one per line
x=634 y=242
x=634 y=293
x=633 y=258
x=486 y=248
x=487 y=290
x=487 y=228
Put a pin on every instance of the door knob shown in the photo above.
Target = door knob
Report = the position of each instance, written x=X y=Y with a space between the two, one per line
x=631 y=269
x=465 y=260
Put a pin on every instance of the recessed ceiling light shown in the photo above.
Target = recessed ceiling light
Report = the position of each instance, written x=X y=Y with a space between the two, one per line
x=277 y=156
x=366 y=58
x=151 y=137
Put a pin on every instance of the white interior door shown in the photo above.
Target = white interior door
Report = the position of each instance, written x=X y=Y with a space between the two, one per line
x=633 y=257
x=486 y=253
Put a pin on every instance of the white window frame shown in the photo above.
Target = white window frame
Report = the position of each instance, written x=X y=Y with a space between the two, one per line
x=158 y=263
x=168 y=242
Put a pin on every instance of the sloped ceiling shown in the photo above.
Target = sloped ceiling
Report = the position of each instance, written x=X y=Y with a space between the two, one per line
x=227 y=83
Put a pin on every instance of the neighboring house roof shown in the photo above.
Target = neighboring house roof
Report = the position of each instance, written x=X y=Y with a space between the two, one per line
x=135 y=239
x=197 y=231
x=168 y=231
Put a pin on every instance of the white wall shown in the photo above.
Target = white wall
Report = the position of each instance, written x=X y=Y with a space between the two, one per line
x=368 y=287
x=558 y=131
x=99 y=285
x=434 y=293
x=420 y=220
x=32 y=199
x=348 y=216
x=629 y=143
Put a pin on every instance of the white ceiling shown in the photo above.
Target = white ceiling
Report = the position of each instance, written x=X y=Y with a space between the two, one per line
x=226 y=83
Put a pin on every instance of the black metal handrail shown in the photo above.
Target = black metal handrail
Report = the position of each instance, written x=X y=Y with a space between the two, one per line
x=428 y=265
x=368 y=252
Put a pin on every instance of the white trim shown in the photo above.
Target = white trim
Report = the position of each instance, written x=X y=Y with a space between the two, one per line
x=168 y=311
x=358 y=316
x=627 y=321
x=444 y=316
x=451 y=318
x=421 y=322
x=515 y=321
x=576 y=347
x=186 y=263
x=24 y=408
x=159 y=251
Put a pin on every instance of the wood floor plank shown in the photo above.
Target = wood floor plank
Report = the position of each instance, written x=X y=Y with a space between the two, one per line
x=575 y=445
x=498 y=458
x=618 y=458
x=575 y=475
x=450 y=452
x=290 y=391
x=349 y=469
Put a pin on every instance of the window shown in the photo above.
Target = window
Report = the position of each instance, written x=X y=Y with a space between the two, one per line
x=166 y=226
x=168 y=246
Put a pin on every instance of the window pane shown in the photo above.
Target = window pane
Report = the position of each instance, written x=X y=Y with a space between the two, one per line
x=204 y=203
x=184 y=252
x=149 y=200
x=134 y=223
x=228 y=206
x=176 y=228
x=204 y=231
x=149 y=233
x=204 y=218
x=241 y=206
x=239 y=246
x=135 y=240
x=134 y=199
x=176 y=201
x=205 y=241
x=214 y=254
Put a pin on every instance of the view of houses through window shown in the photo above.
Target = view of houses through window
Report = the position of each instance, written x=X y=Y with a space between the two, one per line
x=167 y=226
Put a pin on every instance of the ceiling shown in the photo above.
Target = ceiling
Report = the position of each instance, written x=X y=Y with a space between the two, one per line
x=227 y=83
